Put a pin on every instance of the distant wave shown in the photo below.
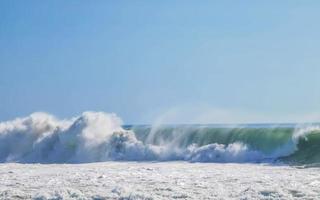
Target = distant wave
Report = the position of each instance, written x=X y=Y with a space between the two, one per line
x=98 y=136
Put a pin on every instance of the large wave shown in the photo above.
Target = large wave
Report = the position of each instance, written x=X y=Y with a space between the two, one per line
x=98 y=136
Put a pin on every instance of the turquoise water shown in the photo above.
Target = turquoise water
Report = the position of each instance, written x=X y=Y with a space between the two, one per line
x=275 y=141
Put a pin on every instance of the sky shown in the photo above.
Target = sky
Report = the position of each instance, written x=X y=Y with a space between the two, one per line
x=168 y=61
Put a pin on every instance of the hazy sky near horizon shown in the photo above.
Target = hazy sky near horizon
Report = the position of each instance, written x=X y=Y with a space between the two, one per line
x=175 y=61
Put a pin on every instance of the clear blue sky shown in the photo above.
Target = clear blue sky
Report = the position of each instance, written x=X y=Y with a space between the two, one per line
x=140 y=59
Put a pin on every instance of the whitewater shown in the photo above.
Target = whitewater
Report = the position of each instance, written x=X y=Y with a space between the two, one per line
x=158 y=180
x=95 y=156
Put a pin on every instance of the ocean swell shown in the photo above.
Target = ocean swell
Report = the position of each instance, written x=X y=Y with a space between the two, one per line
x=98 y=136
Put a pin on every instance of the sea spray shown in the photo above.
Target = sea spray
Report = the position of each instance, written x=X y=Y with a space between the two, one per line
x=98 y=136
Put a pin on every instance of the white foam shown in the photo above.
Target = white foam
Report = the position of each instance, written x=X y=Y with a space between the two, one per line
x=235 y=152
x=41 y=137
x=157 y=180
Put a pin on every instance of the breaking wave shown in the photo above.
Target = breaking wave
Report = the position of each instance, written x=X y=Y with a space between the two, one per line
x=98 y=136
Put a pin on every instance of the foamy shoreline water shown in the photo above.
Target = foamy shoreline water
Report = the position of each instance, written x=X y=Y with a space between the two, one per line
x=157 y=180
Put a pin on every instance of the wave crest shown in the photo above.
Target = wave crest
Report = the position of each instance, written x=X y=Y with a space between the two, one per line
x=98 y=136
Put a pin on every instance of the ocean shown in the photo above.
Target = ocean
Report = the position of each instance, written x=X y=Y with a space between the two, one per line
x=158 y=180
x=94 y=156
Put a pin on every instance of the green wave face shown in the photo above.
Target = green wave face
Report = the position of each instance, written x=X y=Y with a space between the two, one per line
x=308 y=150
x=262 y=139
x=276 y=142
